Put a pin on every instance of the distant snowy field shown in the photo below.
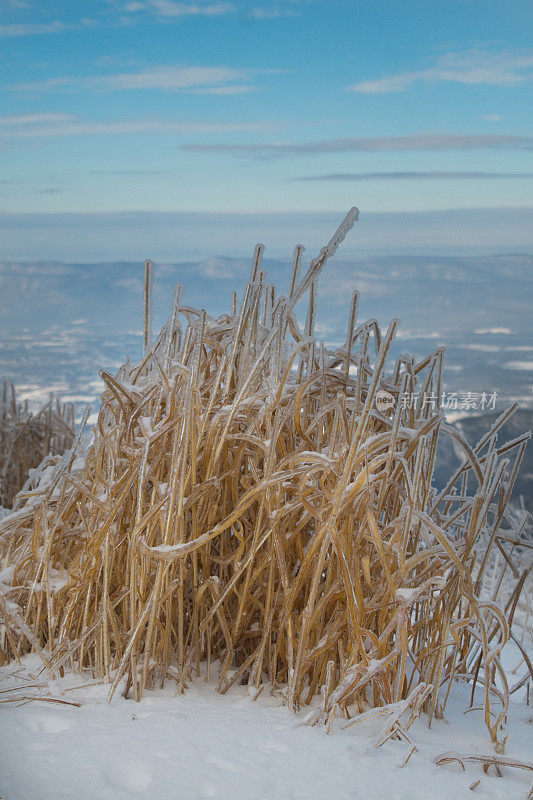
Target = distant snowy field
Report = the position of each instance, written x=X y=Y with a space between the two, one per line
x=60 y=323
x=206 y=745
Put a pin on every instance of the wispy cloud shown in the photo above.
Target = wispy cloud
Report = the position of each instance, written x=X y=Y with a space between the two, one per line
x=40 y=28
x=422 y=141
x=173 y=8
x=266 y=13
x=473 y=67
x=222 y=90
x=166 y=9
x=31 y=119
x=260 y=12
x=171 y=78
x=219 y=80
x=69 y=126
x=128 y=172
x=410 y=176
x=281 y=8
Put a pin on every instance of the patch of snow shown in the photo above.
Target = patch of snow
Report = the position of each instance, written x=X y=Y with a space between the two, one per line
x=505 y=331
x=483 y=348
x=406 y=593
x=203 y=744
x=523 y=365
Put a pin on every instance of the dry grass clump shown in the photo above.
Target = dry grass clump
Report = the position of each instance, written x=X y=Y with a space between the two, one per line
x=245 y=502
x=26 y=438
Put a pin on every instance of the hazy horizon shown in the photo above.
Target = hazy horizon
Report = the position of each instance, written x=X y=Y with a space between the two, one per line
x=164 y=236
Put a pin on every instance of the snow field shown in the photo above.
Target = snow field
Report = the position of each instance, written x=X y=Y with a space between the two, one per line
x=206 y=745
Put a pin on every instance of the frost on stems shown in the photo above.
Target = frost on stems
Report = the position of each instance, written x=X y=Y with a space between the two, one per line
x=245 y=504
x=148 y=307
x=27 y=437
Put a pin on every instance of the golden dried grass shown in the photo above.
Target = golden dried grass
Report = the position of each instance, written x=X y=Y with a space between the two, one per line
x=26 y=438
x=245 y=503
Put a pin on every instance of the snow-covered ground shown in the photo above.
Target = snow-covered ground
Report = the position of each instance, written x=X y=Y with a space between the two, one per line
x=206 y=745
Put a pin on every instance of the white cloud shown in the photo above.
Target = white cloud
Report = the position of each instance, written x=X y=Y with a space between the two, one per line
x=265 y=13
x=234 y=89
x=273 y=13
x=165 y=9
x=34 y=28
x=473 y=67
x=174 y=8
x=171 y=78
x=72 y=127
x=32 y=119
x=39 y=28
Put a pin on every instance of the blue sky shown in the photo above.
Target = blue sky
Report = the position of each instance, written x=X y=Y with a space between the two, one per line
x=283 y=106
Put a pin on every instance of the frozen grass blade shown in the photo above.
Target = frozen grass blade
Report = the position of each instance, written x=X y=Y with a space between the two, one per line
x=246 y=504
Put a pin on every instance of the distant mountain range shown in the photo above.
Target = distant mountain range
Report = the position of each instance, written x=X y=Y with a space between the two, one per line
x=432 y=295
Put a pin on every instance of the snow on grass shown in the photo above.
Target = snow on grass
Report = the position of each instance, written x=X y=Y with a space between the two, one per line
x=206 y=745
